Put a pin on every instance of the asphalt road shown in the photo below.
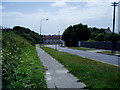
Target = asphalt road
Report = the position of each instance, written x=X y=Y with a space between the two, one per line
x=110 y=59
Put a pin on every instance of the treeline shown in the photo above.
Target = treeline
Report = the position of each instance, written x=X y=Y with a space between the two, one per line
x=32 y=36
x=80 y=32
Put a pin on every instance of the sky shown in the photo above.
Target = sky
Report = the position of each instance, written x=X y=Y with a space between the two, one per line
x=60 y=14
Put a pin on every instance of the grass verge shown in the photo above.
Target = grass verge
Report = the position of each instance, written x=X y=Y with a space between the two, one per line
x=21 y=67
x=108 y=52
x=93 y=73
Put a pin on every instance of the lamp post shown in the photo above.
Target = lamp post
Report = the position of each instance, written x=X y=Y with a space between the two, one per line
x=57 y=40
x=40 y=29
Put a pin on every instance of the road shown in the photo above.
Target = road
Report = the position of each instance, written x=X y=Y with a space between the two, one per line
x=110 y=59
x=57 y=75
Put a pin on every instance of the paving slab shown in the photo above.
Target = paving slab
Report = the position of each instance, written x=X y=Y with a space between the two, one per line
x=57 y=75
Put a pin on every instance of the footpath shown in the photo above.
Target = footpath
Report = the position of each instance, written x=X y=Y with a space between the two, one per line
x=57 y=75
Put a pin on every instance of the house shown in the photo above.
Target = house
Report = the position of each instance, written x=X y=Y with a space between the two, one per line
x=52 y=39
x=108 y=30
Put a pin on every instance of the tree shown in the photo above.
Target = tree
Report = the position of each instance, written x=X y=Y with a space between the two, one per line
x=75 y=33
x=107 y=37
x=100 y=37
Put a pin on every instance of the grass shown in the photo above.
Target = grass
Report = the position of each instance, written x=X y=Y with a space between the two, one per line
x=108 y=52
x=21 y=67
x=93 y=73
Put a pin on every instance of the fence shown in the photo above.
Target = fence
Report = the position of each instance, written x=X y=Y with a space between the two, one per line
x=101 y=45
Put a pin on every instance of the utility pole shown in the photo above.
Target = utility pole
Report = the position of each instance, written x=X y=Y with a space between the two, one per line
x=113 y=41
x=57 y=40
x=58 y=37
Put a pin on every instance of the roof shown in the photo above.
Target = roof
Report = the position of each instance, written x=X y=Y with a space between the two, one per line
x=52 y=37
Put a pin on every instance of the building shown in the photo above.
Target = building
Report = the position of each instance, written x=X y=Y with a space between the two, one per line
x=119 y=18
x=52 y=39
x=107 y=30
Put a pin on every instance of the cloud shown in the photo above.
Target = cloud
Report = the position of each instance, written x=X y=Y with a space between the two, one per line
x=1 y=7
x=59 y=4
x=60 y=0
x=91 y=12
x=99 y=15
x=12 y=14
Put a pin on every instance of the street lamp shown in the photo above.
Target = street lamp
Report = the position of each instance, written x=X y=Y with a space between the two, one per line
x=40 y=28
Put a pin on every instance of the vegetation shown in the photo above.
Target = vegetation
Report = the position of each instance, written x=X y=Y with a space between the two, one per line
x=21 y=67
x=80 y=32
x=26 y=33
x=93 y=73
x=0 y=48
x=107 y=37
x=108 y=52
x=76 y=33
x=95 y=31
x=0 y=68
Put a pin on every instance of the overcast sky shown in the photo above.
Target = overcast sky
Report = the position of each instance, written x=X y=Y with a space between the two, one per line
x=61 y=14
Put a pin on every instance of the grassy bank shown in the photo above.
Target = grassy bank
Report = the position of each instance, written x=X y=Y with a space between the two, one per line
x=20 y=63
x=94 y=74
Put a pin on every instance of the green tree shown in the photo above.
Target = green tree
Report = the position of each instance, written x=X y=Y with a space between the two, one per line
x=100 y=37
x=109 y=37
x=75 y=33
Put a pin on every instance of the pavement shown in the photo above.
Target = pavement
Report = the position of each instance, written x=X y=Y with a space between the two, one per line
x=57 y=75
x=109 y=59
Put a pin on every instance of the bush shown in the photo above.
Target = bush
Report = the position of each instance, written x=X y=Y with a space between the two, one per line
x=21 y=67
x=100 y=37
x=107 y=37
x=91 y=40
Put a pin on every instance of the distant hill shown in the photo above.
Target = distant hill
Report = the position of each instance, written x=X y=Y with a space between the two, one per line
x=28 y=34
